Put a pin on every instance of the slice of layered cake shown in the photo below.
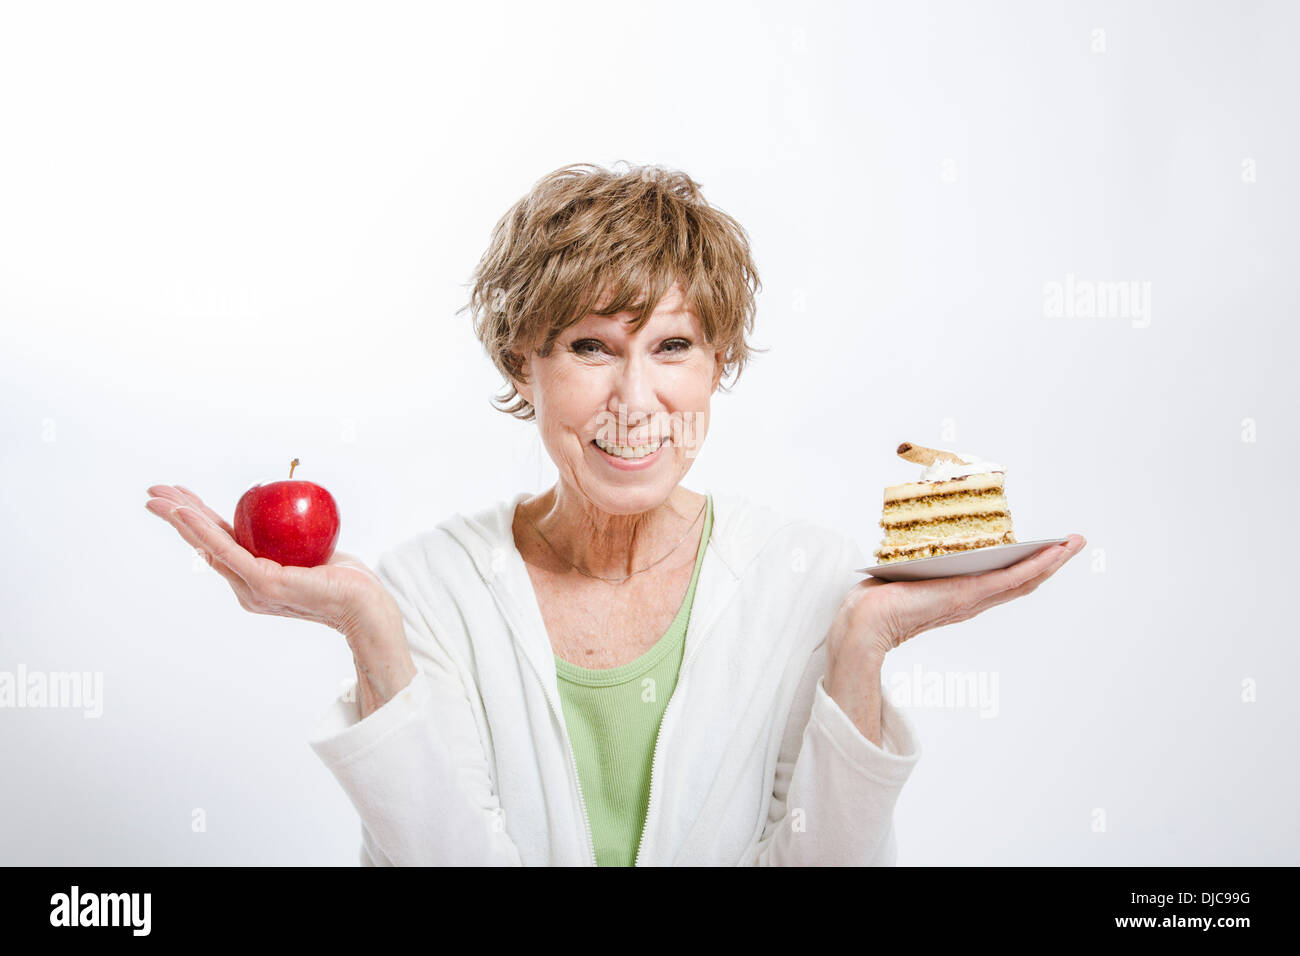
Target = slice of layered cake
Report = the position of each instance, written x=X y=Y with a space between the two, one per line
x=958 y=505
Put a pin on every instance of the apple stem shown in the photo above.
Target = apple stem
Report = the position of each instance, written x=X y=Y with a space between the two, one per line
x=292 y=465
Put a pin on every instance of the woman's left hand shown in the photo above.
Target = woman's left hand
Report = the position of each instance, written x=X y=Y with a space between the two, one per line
x=877 y=616
x=884 y=614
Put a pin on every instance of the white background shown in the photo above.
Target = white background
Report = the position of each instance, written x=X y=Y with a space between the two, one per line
x=229 y=233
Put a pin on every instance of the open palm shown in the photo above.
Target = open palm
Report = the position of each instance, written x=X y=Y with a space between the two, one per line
x=335 y=594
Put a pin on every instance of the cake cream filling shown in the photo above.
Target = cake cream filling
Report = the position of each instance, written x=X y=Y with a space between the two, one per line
x=934 y=549
x=966 y=527
x=940 y=491
x=936 y=508
x=941 y=524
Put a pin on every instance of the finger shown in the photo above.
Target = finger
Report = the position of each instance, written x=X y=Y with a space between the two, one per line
x=216 y=545
x=1003 y=597
x=1027 y=587
x=1026 y=569
x=219 y=521
x=237 y=584
x=183 y=496
x=165 y=491
x=165 y=500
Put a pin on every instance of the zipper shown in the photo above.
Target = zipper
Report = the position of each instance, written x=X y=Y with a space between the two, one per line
x=654 y=763
x=573 y=769
x=508 y=613
x=706 y=632
x=681 y=681
x=586 y=821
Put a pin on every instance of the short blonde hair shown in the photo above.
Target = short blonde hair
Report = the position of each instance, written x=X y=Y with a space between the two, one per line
x=585 y=236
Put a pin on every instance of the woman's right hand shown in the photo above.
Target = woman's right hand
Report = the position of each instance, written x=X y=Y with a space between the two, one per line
x=343 y=594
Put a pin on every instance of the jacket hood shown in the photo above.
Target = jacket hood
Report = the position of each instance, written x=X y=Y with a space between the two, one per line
x=740 y=530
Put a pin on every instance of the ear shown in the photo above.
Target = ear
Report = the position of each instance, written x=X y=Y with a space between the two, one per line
x=719 y=366
x=524 y=364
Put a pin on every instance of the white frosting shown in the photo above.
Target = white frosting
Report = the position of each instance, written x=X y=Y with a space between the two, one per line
x=968 y=465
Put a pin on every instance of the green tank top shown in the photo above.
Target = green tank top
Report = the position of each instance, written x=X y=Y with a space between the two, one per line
x=613 y=719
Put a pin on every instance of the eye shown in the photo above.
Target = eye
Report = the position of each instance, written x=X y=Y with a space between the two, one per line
x=682 y=345
x=581 y=346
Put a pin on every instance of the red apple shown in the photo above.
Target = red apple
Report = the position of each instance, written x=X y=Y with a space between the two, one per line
x=290 y=522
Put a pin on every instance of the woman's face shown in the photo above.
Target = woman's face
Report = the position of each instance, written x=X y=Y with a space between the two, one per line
x=604 y=386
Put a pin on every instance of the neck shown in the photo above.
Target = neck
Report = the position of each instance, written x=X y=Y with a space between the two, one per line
x=617 y=545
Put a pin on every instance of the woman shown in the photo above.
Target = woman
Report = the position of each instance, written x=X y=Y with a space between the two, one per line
x=619 y=670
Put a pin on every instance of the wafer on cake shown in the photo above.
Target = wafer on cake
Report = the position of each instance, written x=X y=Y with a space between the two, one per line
x=958 y=505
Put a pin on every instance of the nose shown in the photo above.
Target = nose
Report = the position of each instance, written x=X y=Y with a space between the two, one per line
x=634 y=395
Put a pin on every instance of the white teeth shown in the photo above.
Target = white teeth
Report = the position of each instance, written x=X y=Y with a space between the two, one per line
x=628 y=451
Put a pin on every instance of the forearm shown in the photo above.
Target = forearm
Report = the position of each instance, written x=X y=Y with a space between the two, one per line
x=380 y=675
x=382 y=657
x=853 y=682
x=837 y=783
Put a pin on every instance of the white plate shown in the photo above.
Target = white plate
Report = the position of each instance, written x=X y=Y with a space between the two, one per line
x=963 y=562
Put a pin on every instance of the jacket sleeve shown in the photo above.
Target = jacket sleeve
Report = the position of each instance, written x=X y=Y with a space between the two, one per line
x=415 y=769
x=834 y=792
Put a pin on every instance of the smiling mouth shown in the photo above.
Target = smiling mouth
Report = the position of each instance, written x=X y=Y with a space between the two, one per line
x=631 y=452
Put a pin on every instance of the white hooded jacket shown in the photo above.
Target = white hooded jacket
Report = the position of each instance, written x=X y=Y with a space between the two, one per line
x=754 y=763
